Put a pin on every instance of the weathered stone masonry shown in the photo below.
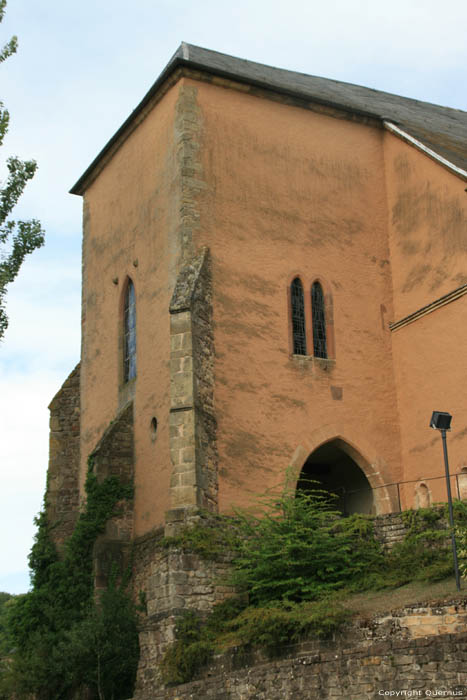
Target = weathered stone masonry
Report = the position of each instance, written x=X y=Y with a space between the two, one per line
x=171 y=581
x=192 y=421
x=114 y=456
x=416 y=649
x=62 y=496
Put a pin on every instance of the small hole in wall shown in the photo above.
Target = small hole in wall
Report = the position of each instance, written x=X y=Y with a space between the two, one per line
x=153 y=427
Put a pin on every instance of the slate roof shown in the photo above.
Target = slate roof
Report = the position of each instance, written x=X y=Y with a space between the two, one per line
x=442 y=129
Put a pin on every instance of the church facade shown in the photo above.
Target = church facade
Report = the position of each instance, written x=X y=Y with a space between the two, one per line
x=274 y=290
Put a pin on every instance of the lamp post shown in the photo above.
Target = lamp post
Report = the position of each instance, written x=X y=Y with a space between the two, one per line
x=442 y=421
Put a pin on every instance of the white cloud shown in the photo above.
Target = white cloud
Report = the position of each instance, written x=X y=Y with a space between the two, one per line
x=23 y=456
x=40 y=348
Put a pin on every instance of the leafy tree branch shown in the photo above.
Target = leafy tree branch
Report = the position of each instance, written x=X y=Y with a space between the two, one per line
x=17 y=238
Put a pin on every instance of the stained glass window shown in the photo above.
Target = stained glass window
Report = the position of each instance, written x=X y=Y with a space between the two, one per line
x=318 y=321
x=298 y=317
x=129 y=323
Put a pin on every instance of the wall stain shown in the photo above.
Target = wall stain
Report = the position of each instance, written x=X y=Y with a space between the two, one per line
x=427 y=217
x=403 y=168
x=460 y=279
x=246 y=305
x=243 y=444
x=345 y=172
x=459 y=435
x=236 y=327
x=254 y=283
x=416 y=277
x=424 y=446
x=342 y=232
x=289 y=401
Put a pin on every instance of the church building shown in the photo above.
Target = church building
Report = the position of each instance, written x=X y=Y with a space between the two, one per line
x=274 y=290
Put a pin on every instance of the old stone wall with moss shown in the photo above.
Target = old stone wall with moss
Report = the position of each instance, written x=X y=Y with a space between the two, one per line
x=63 y=473
x=169 y=581
x=114 y=457
x=421 y=650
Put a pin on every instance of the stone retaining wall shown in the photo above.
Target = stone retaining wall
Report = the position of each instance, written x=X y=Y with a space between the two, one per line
x=420 y=651
x=172 y=580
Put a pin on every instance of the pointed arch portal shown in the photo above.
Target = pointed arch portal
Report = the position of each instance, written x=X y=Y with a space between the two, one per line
x=337 y=472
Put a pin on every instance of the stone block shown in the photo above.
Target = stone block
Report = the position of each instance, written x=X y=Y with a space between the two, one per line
x=371 y=661
x=180 y=322
x=182 y=386
x=183 y=495
x=175 y=343
x=402 y=660
x=188 y=478
x=187 y=454
x=180 y=417
x=176 y=365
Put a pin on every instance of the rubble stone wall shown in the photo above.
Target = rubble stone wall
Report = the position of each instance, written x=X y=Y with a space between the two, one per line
x=62 y=496
x=415 y=652
x=170 y=581
x=389 y=529
x=114 y=457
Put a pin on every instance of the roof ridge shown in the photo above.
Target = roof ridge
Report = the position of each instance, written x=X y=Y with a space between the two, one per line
x=442 y=129
x=277 y=69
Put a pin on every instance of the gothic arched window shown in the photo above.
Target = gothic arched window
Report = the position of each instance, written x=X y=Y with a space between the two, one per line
x=298 y=317
x=129 y=333
x=318 y=321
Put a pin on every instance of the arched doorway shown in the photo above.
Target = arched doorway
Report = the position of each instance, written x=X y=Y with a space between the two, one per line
x=337 y=472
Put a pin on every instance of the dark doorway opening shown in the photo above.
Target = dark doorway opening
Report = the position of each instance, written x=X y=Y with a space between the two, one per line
x=336 y=472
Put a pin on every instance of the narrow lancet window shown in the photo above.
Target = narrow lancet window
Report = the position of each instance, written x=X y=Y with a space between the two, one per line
x=129 y=325
x=298 y=317
x=318 y=321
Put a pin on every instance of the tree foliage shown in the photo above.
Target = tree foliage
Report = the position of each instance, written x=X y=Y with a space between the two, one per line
x=7 y=600
x=65 y=639
x=18 y=238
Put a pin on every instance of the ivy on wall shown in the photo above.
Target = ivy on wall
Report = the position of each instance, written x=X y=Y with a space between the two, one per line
x=67 y=640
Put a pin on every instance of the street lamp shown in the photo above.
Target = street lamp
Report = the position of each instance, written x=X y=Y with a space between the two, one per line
x=440 y=420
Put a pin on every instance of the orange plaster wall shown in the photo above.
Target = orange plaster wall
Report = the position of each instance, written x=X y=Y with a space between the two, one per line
x=130 y=215
x=427 y=207
x=291 y=191
x=427 y=226
x=429 y=358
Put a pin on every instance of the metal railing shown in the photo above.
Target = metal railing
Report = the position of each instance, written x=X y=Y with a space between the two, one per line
x=345 y=494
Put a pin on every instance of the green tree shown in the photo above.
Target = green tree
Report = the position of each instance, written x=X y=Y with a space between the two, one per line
x=6 y=644
x=17 y=238
x=65 y=641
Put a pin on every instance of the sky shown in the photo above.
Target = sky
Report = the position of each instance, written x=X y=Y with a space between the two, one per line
x=80 y=69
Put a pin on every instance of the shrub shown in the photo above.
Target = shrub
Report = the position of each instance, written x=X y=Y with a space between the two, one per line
x=279 y=624
x=298 y=548
x=189 y=653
